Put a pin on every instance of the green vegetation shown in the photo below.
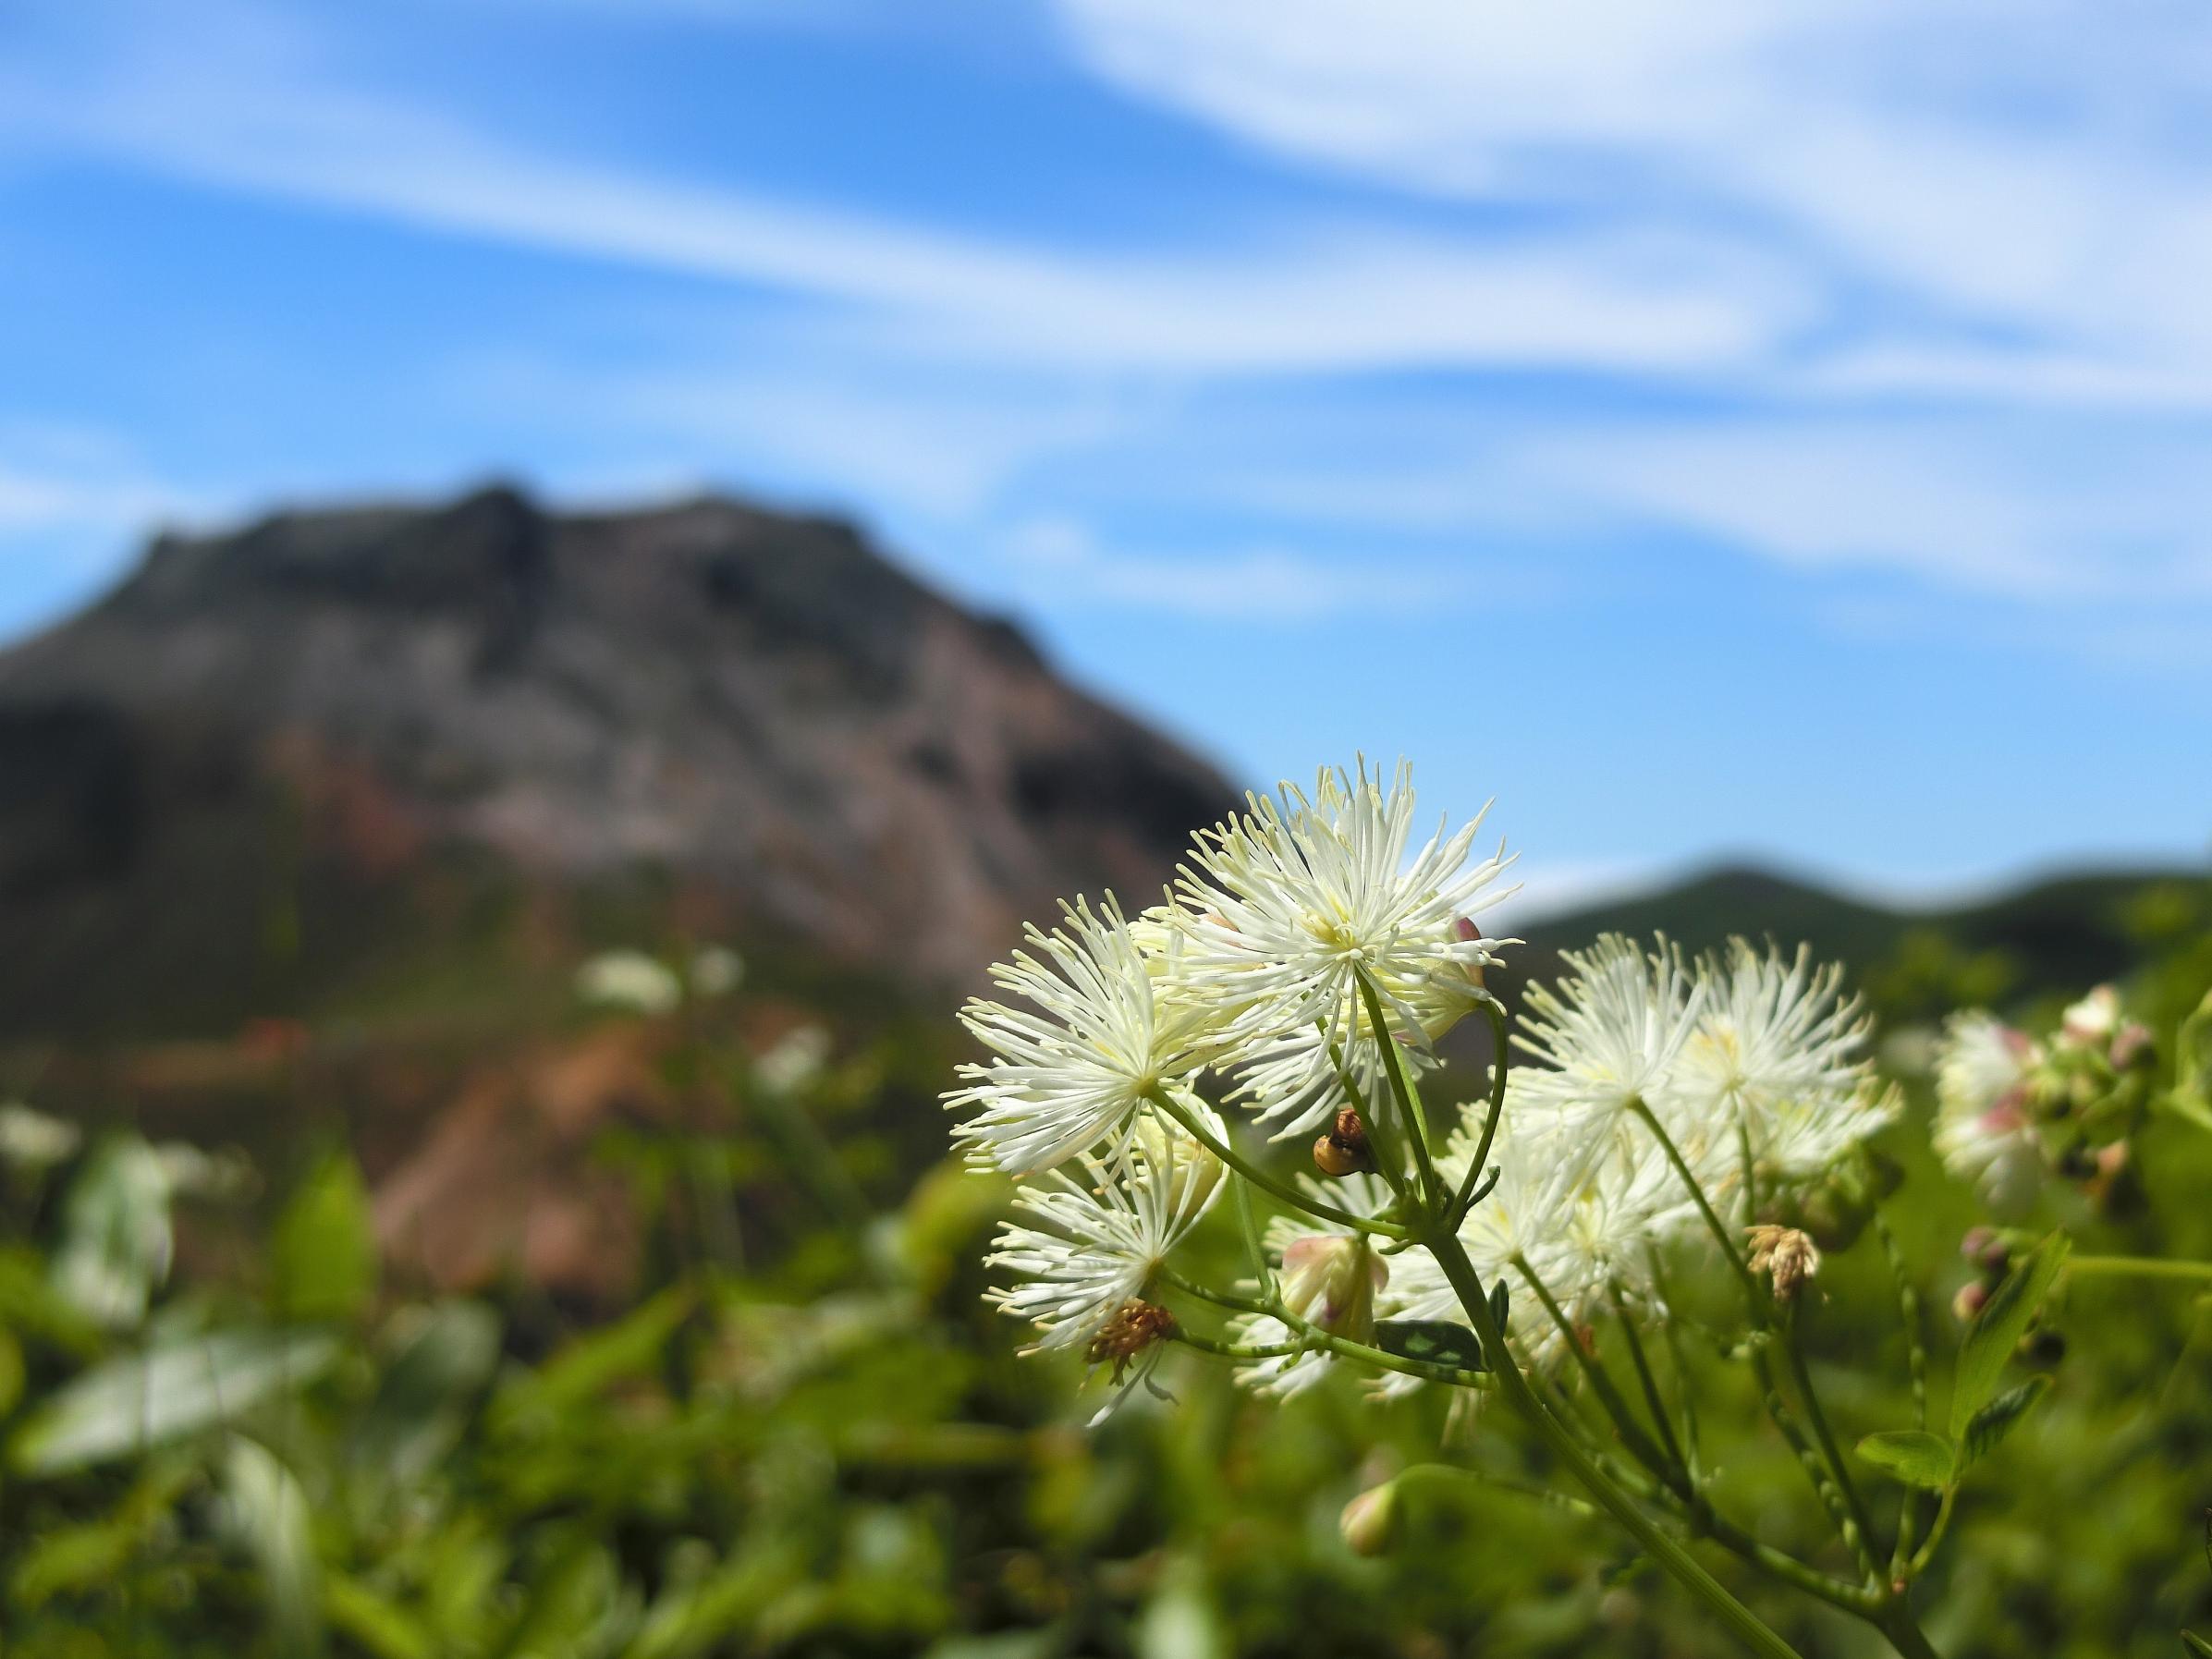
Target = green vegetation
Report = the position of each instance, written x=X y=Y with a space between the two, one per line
x=229 y=1428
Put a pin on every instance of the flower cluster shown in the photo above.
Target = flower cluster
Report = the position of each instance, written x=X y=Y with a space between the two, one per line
x=2013 y=1109
x=1304 y=968
x=1746 y=1073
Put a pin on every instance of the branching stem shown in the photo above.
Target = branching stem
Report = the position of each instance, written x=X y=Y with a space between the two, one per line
x=1273 y=1186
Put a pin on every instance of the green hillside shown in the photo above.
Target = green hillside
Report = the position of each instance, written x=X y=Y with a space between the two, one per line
x=2049 y=937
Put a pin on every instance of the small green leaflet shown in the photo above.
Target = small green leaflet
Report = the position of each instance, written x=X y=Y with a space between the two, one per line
x=1996 y=1331
x=2196 y=1645
x=1432 y=1341
x=1914 y=1456
x=1995 y=1421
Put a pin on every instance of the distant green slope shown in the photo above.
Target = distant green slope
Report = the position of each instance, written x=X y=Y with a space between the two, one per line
x=2052 y=938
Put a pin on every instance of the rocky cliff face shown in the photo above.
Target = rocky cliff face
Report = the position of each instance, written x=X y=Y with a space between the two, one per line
x=275 y=763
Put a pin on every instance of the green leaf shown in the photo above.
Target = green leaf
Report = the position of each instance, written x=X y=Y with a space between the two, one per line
x=1995 y=1421
x=2196 y=1645
x=176 y=1388
x=269 y=1512
x=1996 y=1331
x=33 y=1309
x=2193 y=1062
x=322 y=1256
x=369 y=1620
x=631 y=1347
x=1432 y=1341
x=11 y=1371
x=421 y=1404
x=115 y=1241
x=1501 y=1302
x=1912 y=1456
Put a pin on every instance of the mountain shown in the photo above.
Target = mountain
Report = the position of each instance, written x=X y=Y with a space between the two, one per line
x=2056 y=937
x=345 y=759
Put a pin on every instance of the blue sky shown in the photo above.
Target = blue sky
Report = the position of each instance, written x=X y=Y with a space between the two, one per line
x=1712 y=430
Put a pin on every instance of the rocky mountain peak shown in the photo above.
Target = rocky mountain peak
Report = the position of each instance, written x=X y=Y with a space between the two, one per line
x=754 y=715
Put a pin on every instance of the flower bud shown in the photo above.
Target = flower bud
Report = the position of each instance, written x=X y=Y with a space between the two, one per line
x=2091 y=1022
x=1969 y=1301
x=1330 y=1281
x=1343 y=1149
x=1371 y=1522
x=1468 y=933
x=2132 y=1046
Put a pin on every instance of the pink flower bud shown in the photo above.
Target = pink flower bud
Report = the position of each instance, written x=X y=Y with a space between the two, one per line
x=1331 y=1281
x=1370 y=1521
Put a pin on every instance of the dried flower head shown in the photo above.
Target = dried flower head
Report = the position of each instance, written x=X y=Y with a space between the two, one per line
x=1786 y=1255
x=1135 y=1326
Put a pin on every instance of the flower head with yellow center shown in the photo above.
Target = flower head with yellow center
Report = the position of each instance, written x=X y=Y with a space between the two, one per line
x=1286 y=910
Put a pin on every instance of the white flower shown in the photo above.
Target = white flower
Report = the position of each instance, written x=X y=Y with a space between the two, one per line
x=1985 y=1132
x=716 y=971
x=2091 y=1022
x=1607 y=1037
x=1074 y=1076
x=1102 y=1238
x=630 y=980
x=30 y=1139
x=1777 y=1050
x=794 y=1061
x=1288 y=904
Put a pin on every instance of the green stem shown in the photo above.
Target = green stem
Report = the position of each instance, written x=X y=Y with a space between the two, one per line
x=1825 y=1489
x=1652 y=1398
x=1905 y=1634
x=1859 y=1535
x=1464 y=1199
x=2143 y=1267
x=1731 y=1249
x=1401 y=1086
x=1541 y=1495
x=1317 y=1208
x=1230 y=1350
x=1313 y=1336
x=1255 y=1240
x=1927 y=1552
x=1601 y=1383
x=1745 y=1625
x=1916 y=1361
x=1672 y=1325
x=1793 y=1350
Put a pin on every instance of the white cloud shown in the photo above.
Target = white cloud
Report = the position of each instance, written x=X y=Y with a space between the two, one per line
x=933 y=444
x=275 y=120
x=60 y=478
x=1058 y=563
x=2010 y=167
x=2032 y=517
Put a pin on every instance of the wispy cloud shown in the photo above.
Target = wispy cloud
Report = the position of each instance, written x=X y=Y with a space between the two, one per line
x=1995 y=174
x=63 y=478
x=1060 y=562
x=1306 y=296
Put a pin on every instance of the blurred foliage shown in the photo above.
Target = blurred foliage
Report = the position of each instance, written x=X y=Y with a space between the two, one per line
x=830 y=1447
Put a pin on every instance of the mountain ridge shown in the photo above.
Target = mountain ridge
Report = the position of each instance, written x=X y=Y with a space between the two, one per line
x=704 y=715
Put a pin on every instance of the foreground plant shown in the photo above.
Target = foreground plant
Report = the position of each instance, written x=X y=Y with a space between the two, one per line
x=1303 y=970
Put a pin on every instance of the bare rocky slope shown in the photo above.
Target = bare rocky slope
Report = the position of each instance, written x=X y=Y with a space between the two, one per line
x=309 y=759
